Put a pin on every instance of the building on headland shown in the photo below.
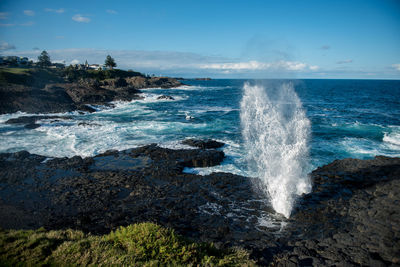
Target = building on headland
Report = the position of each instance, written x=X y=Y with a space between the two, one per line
x=57 y=66
x=88 y=66
x=96 y=67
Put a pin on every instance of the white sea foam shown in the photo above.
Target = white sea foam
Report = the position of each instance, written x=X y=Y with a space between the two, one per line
x=200 y=88
x=367 y=148
x=204 y=109
x=276 y=131
x=152 y=98
x=90 y=134
x=393 y=138
x=359 y=147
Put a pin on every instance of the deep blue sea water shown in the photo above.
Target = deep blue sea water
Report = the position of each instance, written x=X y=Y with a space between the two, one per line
x=349 y=118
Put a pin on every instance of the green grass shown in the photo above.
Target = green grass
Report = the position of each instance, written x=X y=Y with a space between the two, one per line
x=15 y=70
x=39 y=77
x=29 y=76
x=143 y=244
x=75 y=75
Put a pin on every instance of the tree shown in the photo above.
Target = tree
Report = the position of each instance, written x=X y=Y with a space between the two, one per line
x=110 y=62
x=44 y=59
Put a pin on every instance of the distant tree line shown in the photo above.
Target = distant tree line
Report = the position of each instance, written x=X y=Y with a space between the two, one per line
x=73 y=74
x=44 y=61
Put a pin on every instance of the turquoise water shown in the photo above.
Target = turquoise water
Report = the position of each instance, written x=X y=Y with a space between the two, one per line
x=349 y=118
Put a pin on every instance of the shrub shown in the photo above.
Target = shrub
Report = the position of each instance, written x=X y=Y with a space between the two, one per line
x=143 y=244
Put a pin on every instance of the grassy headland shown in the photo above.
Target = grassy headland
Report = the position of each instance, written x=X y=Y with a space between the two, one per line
x=40 y=76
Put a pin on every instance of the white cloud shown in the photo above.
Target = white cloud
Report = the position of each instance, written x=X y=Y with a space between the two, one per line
x=344 y=61
x=80 y=18
x=58 y=61
x=255 y=65
x=290 y=65
x=29 y=12
x=6 y=46
x=74 y=61
x=59 y=11
x=250 y=65
x=396 y=66
x=110 y=11
x=4 y=15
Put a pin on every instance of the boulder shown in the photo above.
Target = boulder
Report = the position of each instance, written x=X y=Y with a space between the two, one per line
x=203 y=144
x=165 y=97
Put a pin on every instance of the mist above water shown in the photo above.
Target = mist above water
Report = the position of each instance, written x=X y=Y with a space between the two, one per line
x=276 y=130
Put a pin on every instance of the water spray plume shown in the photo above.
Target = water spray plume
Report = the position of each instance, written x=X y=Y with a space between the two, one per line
x=276 y=132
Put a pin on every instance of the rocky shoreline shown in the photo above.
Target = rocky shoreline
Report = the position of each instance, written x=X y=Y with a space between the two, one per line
x=351 y=218
x=43 y=91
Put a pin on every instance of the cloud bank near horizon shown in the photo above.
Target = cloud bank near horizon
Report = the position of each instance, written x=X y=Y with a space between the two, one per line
x=171 y=61
x=185 y=64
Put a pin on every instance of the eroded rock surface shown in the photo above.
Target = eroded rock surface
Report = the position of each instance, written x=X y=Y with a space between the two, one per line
x=351 y=218
x=62 y=96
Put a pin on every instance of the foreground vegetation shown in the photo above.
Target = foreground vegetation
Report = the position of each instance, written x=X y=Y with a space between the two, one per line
x=143 y=244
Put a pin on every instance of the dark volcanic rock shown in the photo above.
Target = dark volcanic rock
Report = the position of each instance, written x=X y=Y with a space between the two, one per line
x=86 y=108
x=153 y=82
x=351 y=218
x=34 y=100
x=54 y=95
x=166 y=97
x=30 y=121
x=203 y=144
x=89 y=95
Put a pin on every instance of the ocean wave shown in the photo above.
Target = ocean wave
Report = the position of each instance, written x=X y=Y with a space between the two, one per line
x=153 y=98
x=393 y=137
x=204 y=109
x=201 y=88
x=365 y=148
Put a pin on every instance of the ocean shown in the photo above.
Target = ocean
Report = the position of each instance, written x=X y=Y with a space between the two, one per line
x=344 y=118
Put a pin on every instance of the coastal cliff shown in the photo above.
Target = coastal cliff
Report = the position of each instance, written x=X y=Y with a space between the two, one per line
x=52 y=91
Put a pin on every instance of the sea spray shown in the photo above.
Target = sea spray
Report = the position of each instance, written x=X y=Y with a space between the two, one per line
x=276 y=131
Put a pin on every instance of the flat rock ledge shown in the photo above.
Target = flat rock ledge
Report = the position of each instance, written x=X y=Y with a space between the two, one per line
x=351 y=218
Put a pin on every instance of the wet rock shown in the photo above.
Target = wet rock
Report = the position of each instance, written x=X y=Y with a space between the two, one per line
x=349 y=214
x=32 y=126
x=165 y=97
x=203 y=144
x=30 y=121
x=86 y=108
x=88 y=124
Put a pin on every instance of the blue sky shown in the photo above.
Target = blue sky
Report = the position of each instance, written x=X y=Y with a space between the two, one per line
x=220 y=39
